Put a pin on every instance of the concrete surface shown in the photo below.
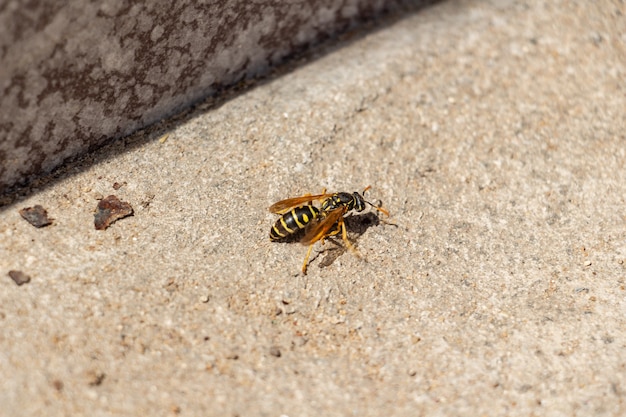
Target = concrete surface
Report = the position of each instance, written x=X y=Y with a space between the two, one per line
x=493 y=131
x=74 y=75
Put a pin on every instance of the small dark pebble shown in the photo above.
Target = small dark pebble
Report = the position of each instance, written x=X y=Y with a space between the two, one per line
x=275 y=351
x=109 y=210
x=37 y=216
x=96 y=378
x=57 y=384
x=19 y=277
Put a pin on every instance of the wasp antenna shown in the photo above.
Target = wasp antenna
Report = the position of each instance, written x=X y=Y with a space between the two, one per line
x=382 y=210
x=377 y=207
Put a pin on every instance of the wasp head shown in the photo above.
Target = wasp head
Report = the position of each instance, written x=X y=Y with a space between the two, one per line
x=358 y=202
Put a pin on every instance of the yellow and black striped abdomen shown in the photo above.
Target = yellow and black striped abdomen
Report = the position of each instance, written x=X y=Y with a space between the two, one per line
x=294 y=220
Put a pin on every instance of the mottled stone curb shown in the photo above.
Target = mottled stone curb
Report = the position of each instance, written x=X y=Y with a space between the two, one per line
x=75 y=75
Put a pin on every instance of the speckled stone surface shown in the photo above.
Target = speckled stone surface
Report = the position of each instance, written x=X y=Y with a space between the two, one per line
x=492 y=130
x=74 y=75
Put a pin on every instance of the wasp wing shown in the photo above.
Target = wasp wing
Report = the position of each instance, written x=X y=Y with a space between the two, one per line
x=323 y=227
x=284 y=206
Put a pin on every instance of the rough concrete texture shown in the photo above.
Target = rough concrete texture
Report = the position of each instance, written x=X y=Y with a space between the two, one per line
x=76 y=74
x=493 y=131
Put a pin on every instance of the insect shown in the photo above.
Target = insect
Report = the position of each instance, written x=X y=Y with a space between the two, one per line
x=299 y=213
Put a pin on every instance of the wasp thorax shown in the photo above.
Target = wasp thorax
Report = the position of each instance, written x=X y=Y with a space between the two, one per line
x=336 y=201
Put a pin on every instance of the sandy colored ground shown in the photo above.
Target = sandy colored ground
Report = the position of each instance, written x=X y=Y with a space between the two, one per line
x=494 y=133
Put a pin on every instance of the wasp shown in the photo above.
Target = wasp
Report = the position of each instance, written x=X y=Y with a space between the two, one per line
x=299 y=213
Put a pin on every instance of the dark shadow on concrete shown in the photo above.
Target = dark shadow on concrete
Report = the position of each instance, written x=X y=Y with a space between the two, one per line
x=356 y=226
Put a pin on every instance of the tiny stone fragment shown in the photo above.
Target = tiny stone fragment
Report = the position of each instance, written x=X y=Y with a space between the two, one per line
x=275 y=351
x=37 y=216
x=145 y=203
x=19 y=277
x=95 y=378
x=109 y=210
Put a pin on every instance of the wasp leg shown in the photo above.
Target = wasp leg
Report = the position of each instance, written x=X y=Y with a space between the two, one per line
x=306 y=258
x=344 y=236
